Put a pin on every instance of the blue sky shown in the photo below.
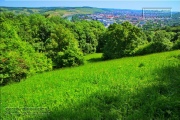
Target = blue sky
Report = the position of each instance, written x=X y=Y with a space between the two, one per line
x=120 y=4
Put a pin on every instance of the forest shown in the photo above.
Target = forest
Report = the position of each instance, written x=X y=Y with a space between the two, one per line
x=37 y=43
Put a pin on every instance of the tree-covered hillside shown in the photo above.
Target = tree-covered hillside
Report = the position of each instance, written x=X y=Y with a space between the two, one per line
x=34 y=43
x=37 y=43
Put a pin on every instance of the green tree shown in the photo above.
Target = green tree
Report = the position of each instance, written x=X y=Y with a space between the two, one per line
x=40 y=29
x=149 y=35
x=177 y=43
x=122 y=39
x=63 y=48
x=161 y=42
x=18 y=58
x=88 y=33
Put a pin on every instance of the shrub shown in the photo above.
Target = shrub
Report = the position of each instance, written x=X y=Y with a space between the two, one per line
x=69 y=58
x=161 y=42
x=18 y=59
x=144 y=49
x=177 y=44
x=152 y=47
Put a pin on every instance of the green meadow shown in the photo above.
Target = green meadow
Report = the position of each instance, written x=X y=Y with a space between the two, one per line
x=131 y=88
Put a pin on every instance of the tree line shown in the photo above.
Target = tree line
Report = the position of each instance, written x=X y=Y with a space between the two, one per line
x=35 y=43
x=128 y=40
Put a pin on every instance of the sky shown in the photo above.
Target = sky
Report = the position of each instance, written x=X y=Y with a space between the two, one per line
x=118 y=4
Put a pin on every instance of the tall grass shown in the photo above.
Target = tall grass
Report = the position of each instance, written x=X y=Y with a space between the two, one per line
x=144 y=87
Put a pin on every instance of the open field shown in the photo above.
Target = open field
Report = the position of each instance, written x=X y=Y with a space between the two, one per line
x=143 y=87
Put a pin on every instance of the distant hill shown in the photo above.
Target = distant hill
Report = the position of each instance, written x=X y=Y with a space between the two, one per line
x=52 y=11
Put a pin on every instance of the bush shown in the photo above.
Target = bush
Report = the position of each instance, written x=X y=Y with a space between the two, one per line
x=144 y=49
x=69 y=58
x=152 y=47
x=161 y=42
x=18 y=59
x=177 y=44
x=160 y=47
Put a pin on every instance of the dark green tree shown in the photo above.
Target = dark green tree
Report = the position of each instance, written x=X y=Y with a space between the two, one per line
x=161 y=41
x=122 y=39
x=88 y=33
x=177 y=43
x=18 y=58
x=63 y=48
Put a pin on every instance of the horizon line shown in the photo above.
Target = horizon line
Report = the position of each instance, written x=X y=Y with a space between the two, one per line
x=89 y=7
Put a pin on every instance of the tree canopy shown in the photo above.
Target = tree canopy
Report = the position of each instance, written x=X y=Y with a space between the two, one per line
x=122 y=39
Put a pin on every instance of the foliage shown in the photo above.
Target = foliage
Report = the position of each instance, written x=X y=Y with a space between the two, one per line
x=75 y=18
x=63 y=49
x=161 y=42
x=17 y=58
x=177 y=41
x=88 y=34
x=102 y=42
x=31 y=44
x=177 y=44
x=149 y=35
x=122 y=40
x=43 y=42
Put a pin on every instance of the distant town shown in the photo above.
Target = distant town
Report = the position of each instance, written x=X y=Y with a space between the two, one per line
x=144 y=18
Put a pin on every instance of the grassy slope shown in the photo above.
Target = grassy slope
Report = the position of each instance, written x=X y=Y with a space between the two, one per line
x=145 y=87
